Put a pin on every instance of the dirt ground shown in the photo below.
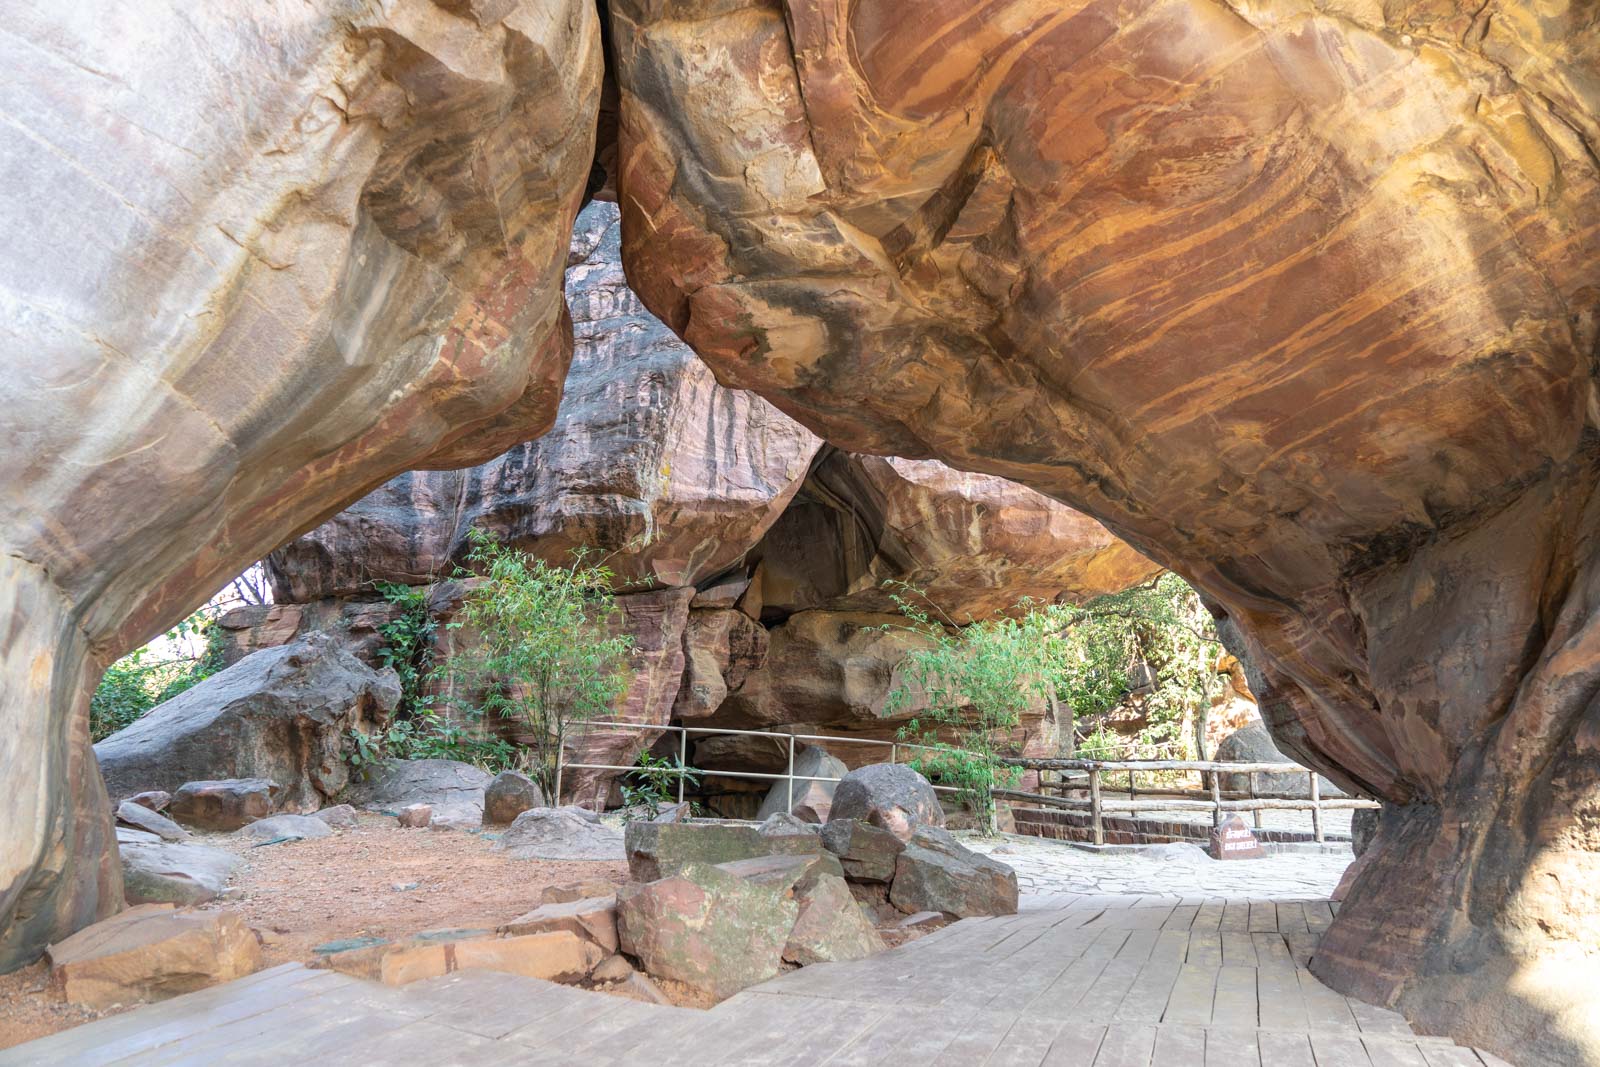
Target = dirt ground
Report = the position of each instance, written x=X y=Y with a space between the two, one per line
x=375 y=880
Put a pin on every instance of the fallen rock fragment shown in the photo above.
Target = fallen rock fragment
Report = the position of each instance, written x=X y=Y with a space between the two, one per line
x=150 y=953
x=174 y=874
x=224 y=804
x=830 y=926
x=555 y=956
x=509 y=795
x=706 y=927
x=594 y=919
x=150 y=821
x=560 y=834
x=786 y=874
x=813 y=800
x=658 y=850
x=867 y=853
x=887 y=795
x=155 y=799
x=452 y=789
x=613 y=969
x=561 y=894
x=340 y=816
x=415 y=816
x=636 y=986
x=936 y=873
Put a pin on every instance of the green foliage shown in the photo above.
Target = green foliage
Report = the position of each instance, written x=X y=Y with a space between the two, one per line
x=543 y=653
x=653 y=782
x=1148 y=650
x=408 y=645
x=149 y=676
x=973 y=684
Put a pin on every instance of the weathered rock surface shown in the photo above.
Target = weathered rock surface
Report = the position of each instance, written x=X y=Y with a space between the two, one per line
x=340 y=816
x=555 y=956
x=150 y=953
x=592 y=918
x=705 y=927
x=649 y=459
x=219 y=332
x=973 y=543
x=295 y=827
x=452 y=790
x=891 y=796
x=282 y=714
x=999 y=235
x=224 y=804
x=830 y=926
x=143 y=818
x=559 y=834
x=938 y=873
x=415 y=817
x=165 y=873
x=658 y=850
x=812 y=799
x=868 y=853
x=786 y=874
x=1363 y=828
x=509 y=795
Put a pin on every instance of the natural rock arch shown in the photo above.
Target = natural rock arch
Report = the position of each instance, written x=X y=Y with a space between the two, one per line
x=1303 y=302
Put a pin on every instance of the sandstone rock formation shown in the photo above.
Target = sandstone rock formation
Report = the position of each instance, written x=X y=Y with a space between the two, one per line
x=452 y=790
x=283 y=715
x=150 y=953
x=749 y=527
x=1303 y=302
x=650 y=461
x=218 y=330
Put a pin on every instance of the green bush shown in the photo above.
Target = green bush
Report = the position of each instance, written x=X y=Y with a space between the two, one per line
x=154 y=674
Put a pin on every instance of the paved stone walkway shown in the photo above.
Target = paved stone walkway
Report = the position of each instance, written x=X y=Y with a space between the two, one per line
x=1058 y=875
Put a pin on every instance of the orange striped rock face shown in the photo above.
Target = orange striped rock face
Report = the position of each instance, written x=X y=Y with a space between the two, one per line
x=1299 y=299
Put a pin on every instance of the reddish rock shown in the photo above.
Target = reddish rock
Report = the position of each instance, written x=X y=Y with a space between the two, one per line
x=150 y=953
x=936 y=873
x=830 y=926
x=593 y=918
x=657 y=850
x=867 y=853
x=224 y=805
x=509 y=795
x=155 y=799
x=563 y=894
x=555 y=956
x=706 y=928
x=415 y=816
x=210 y=380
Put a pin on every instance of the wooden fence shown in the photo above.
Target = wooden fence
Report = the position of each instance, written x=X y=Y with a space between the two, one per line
x=1094 y=773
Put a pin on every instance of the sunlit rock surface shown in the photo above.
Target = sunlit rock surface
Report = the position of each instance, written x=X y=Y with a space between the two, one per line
x=1301 y=299
x=258 y=259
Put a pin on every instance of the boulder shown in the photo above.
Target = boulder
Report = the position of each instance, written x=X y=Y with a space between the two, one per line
x=613 y=969
x=509 y=795
x=785 y=825
x=151 y=952
x=830 y=927
x=415 y=816
x=594 y=919
x=812 y=799
x=282 y=714
x=889 y=795
x=786 y=874
x=453 y=790
x=226 y=804
x=292 y=827
x=936 y=873
x=175 y=874
x=340 y=816
x=127 y=835
x=867 y=853
x=559 y=834
x=705 y=927
x=155 y=799
x=150 y=821
x=657 y=850
x=1253 y=744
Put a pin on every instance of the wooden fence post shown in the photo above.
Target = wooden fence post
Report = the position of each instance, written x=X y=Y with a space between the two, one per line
x=1216 y=799
x=1316 y=808
x=1253 y=796
x=1094 y=806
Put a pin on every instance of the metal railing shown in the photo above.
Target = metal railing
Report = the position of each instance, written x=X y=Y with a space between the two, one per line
x=1177 y=799
x=684 y=771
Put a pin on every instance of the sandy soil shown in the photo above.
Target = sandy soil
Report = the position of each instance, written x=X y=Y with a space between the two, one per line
x=375 y=880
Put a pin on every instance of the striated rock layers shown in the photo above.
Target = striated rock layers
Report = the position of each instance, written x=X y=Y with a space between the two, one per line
x=258 y=260
x=1302 y=300
x=766 y=550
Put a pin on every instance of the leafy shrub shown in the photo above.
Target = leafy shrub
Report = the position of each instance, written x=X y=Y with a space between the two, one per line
x=154 y=674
